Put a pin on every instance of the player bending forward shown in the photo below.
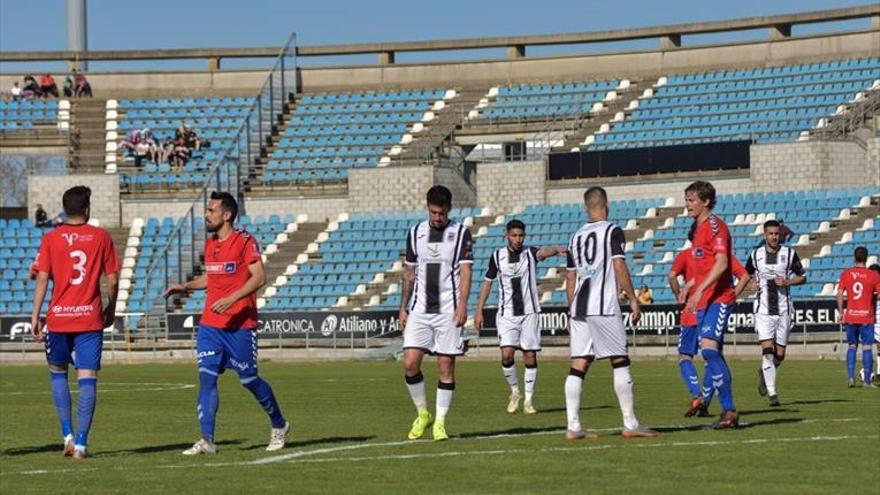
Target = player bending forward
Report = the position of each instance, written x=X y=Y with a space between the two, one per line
x=227 y=333
x=74 y=256
x=596 y=268
x=436 y=285
x=519 y=314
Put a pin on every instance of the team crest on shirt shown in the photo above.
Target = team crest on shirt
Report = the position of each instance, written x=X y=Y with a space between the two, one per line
x=450 y=236
x=698 y=253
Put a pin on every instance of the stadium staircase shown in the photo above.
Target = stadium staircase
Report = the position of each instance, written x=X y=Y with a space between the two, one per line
x=292 y=252
x=88 y=137
x=591 y=126
x=837 y=228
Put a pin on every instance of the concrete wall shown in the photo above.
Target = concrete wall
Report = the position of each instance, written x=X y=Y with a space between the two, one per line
x=872 y=161
x=505 y=186
x=810 y=165
x=145 y=208
x=388 y=188
x=643 y=189
x=48 y=190
x=463 y=194
x=318 y=209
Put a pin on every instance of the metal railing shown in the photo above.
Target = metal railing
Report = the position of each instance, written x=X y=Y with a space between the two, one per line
x=179 y=258
x=844 y=126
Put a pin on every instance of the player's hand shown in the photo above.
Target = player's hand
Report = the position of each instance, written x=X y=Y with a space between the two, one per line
x=460 y=317
x=693 y=300
x=780 y=281
x=174 y=289
x=109 y=316
x=401 y=318
x=222 y=304
x=36 y=329
x=753 y=285
x=635 y=311
x=478 y=320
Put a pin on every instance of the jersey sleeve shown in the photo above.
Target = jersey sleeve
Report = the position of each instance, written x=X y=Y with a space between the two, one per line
x=750 y=264
x=679 y=264
x=411 y=257
x=618 y=243
x=721 y=241
x=110 y=260
x=492 y=271
x=252 y=251
x=43 y=262
x=796 y=266
x=534 y=250
x=737 y=269
x=569 y=259
x=841 y=282
x=466 y=251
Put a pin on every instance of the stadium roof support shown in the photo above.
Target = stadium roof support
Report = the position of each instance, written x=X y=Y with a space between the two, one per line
x=670 y=36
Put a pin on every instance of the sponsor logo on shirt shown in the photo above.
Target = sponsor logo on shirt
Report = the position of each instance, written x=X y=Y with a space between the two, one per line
x=220 y=267
x=70 y=238
x=434 y=249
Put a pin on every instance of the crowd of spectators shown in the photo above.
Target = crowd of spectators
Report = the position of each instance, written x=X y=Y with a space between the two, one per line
x=142 y=144
x=75 y=85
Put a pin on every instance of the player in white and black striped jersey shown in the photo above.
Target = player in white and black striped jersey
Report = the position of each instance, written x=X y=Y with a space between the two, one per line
x=596 y=271
x=775 y=267
x=436 y=286
x=518 y=317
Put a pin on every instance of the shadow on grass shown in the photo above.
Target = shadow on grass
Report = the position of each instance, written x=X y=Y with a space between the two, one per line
x=819 y=401
x=770 y=422
x=510 y=431
x=316 y=441
x=157 y=449
x=770 y=410
x=562 y=409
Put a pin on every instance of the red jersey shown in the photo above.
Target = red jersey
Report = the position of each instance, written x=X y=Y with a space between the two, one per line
x=226 y=266
x=860 y=285
x=710 y=239
x=75 y=256
x=686 y=266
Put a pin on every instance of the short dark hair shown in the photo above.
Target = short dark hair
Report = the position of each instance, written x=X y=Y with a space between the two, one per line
x=516 y=224
x=704 y=190
x=227 y=203
x=595 y=195
x=439 y=196
x=76 y=201
x=875 y=267
x=861 y=254
x=770 y=223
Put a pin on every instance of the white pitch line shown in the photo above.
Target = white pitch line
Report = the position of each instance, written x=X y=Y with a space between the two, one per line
x=151 y=387
x=297 y=456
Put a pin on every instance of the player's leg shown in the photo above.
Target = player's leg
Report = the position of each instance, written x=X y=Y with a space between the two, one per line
x=713 y=323
x=687 y=348
x=87 y=352
x=448 y=343
x=242 y=348
x=211 y=358
x=417 y=340
x=867 y=340
x=781 y=334
x=852 y=341
x=581 y=351
x=530 y=344
x=509 y=331
x=59 y=347
x=877 y=343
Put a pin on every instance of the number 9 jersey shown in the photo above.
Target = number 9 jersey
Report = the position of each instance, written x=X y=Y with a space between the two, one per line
x=75 y=256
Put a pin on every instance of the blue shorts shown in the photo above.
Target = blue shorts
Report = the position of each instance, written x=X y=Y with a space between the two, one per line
x=688 y=343
x=83 y=349
x=218 y=349
x=713 y=321
x=856 y=332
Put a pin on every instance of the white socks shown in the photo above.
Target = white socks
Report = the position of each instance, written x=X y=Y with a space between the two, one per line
x=623 y=388
x=573 y=386
x=769 y=370
x=444 y=399
x=530 y=376
x=510 y=376
x=416 y=387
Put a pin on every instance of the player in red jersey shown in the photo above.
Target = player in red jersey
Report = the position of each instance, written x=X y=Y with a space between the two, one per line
x=74 y=255
x=227 y=334
x=713 y=295
x=857 y=286
x=688 y=343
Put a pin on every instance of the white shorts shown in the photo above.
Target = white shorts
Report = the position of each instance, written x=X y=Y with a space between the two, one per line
x=433 y=333
x=773 y=327
x=522 y=332
x=598 y=337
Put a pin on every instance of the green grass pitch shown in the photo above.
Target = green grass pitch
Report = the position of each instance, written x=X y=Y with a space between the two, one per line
x=350 y=421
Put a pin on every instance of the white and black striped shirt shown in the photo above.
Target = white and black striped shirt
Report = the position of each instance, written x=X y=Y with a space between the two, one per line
x=765 y=266
x=590 y=253
x=517 y=286
x=437 y=255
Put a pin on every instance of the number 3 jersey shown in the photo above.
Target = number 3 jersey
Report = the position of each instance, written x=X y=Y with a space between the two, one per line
x=75 y=256
x=437 y=255
x=590 y=254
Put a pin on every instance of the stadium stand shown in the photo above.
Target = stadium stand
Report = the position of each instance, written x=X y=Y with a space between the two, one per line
x=19 y=242
x=540 y=101
x=26 y=114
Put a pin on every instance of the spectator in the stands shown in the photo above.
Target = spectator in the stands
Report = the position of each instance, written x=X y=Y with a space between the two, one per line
x=131 y=141
x=185 y=142
x=154 y=151
x=16 y=91
x=81 y=85
x=48 y=86
x=31 y=88
x=785 y=233
x=645 y=295
x=59 y=219
x=41 y=218
x=68 y=86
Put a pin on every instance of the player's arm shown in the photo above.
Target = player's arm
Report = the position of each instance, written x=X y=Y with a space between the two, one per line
x=408 y=279
x=198 y=283
x=549 y=251
x=491 y=274
x=621 y=272
x=797 y=269
x=840 y=297
x=570 y=277
x=112 y=293
x=255 y=281
x=466 y=266
x=42 y=286
x=745 y=278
